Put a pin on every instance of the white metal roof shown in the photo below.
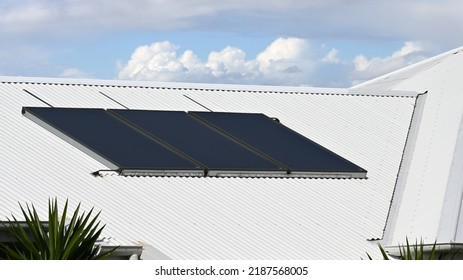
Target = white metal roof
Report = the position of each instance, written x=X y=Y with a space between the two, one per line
x=428 y=199
x=251 y=218
x=214 y=218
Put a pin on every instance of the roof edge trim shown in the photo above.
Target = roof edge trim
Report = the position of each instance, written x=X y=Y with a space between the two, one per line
x=172 y=85
x=383 y=93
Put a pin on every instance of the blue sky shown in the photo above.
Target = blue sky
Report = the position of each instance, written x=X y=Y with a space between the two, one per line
x=332 y=43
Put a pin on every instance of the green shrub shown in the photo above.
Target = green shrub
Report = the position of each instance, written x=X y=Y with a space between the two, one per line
x=416 y=252
x=75 y=241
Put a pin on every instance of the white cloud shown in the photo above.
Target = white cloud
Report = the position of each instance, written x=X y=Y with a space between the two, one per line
x=27 y=16
x=332 y=57
x=36 y=34
x=74 y=73
x=285 y=61
x=230 y=64
x=362 y=63
x=156 y=61
x=284 y=54
x=436 y=21
x=366 y=69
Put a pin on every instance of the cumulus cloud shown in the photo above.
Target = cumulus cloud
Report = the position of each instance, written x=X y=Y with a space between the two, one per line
x=157 y=61
x=284 y=61
x=230 y=64
x=285 y=54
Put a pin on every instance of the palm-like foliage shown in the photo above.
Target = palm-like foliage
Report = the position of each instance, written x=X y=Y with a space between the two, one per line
x=75 y=241
x=416 y=252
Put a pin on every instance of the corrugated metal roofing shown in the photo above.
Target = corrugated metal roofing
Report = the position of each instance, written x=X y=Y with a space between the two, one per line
x=427 y=207
x=214 y=218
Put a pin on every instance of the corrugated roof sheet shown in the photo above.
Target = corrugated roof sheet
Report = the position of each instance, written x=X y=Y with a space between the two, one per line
x=214 y=218
x=433 y=151
x=428 y=203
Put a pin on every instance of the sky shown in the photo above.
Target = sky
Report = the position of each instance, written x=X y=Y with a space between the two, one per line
x=323 y=43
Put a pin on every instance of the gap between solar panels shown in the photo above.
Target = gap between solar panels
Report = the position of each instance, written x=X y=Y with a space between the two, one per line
x=197 y=144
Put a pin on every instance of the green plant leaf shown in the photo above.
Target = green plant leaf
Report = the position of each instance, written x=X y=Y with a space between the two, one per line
x=383 y=252
x=73 y=241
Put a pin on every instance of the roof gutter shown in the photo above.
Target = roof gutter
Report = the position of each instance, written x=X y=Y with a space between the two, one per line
x=427 y=248
x=5 y=229
x=122 y=252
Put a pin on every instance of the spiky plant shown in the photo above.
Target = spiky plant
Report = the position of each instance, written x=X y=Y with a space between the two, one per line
x=416 y=252
x=74 y=241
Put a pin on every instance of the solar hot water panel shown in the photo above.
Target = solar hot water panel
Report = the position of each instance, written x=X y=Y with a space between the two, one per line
x=119 y=146
x=301 y=155
x=221 y=155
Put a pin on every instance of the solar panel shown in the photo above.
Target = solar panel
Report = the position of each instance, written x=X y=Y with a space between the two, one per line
x=174 y=143
x=221 y=155
x=303 y=157
x=119 y=146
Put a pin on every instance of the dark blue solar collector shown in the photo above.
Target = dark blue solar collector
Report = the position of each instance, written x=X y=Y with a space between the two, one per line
x=219 y=154
x=302 y=157
x=117 y=145
x=176 y=143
